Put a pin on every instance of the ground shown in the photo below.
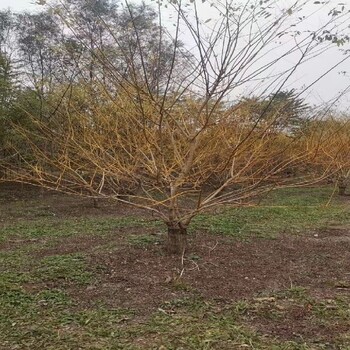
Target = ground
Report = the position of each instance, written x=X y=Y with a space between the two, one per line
x=271 y=276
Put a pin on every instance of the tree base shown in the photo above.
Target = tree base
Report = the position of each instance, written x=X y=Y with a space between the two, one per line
x=95 y=203
x=341 y=190
x=177 y=240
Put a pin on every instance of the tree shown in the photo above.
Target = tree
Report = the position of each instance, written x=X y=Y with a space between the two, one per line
x=8 y=79
x=157 y=144
x=284 y=108
x=37 y=38
x=86 y=34
x=335 y=155
x=291 y=109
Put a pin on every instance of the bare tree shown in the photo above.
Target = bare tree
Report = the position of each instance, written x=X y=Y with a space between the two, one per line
x=158 y=143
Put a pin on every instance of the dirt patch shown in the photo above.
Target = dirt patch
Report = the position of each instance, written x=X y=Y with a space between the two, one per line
x=16 y=243
x=70 y=245
x=218 y=269
x=299 y=327
x=33 y=202
x=334 y=234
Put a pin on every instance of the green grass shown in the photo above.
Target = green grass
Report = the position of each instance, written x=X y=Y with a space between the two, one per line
x=317 y=313
x=282 y=211
x=42 y=228
x=193 y=323
x=12 y=260
x=71 y=268
x=302 y=196
x=49 y=320
x=46 y=320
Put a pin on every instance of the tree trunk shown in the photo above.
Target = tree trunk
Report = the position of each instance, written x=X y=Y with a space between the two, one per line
x=341 y=190
x=95 y=203
x=341 y=185
x=177 y=239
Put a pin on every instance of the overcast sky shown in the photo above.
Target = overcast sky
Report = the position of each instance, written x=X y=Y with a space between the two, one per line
x=18 y=5
x=323 y=91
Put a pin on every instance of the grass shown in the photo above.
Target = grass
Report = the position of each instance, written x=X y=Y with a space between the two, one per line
x=38 y=309
x=143 y=240
x=55 y=227
x=288 y=210
x=282 y=211
x=285 y=307
x=70 y=268
x=45 y=320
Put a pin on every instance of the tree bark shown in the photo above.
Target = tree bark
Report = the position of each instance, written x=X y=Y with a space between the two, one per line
x=177 y=240
x=342 y=184
x=95 y=203
x=341 y=190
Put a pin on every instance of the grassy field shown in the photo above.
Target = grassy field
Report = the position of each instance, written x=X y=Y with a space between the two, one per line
x=272 y=276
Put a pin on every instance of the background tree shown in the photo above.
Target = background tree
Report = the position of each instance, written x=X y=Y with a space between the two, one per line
x=38 y=35
x=284 y=108
x=334 y=155
x=86 y=33
x=8 y=79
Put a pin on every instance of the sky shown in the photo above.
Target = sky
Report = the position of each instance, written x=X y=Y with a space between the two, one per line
x=323 y=91
x=18 y=5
